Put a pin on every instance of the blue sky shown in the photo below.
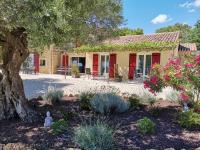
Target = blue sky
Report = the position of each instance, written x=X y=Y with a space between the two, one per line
x=153 y=14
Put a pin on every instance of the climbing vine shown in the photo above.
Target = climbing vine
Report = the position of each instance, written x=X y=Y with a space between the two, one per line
x=136 y=47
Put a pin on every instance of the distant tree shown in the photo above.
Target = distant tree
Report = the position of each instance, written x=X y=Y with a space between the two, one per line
x=194 y=35
x=127 y=31
x=184 y=30
x=26 y=24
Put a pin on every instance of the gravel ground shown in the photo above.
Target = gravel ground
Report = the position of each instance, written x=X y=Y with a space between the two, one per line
x=36 y=85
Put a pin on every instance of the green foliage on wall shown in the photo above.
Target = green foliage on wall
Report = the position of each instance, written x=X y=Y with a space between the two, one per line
x=136 y=47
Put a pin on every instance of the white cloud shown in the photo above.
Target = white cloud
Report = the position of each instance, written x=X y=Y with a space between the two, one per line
x=192 y=5
x=191 y=10
x=161 y=18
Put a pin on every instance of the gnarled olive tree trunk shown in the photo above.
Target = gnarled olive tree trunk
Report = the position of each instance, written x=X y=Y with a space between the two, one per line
x=12 y=98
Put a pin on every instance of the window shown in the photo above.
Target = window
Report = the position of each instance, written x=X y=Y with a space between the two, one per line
x=42 y=62
x=148 y=64
x=144 y=64
x=141 y=64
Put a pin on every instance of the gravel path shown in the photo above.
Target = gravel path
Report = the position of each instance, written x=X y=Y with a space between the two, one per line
x=36 y=85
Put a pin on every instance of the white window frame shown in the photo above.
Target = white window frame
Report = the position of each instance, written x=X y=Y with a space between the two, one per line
x=104 y=54
x=137 y=61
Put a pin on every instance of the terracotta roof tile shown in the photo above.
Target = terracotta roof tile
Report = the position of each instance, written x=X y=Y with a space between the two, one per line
x=187 y=47
x=157 y=37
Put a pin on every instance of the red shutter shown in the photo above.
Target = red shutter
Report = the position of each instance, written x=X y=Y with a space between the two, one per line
x=155 y=58
x=65 y=60
x=36 y=62
x=112 y=65
x=95 y=64
x=132 y=65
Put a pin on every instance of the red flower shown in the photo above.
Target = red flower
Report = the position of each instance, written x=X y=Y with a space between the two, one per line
x=177 y=61
x=197 y=110
x=166 y=77
x=189 y=65
x=154 y=79
x=146 y=85
x=197 y=58
x=184 y=96
x=197 y=73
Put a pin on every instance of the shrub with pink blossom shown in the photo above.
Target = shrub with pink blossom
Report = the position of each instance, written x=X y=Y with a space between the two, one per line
x=184 y=78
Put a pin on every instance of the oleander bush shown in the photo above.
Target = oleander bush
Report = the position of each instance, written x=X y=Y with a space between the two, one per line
x=183 y=78
x=107 y=103
x=98 y=136
x=189 y=119
x=85 y=98
x=146 y=126
x=59 y=127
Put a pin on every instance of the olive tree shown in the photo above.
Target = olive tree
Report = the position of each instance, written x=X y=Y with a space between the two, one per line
x=33 y=24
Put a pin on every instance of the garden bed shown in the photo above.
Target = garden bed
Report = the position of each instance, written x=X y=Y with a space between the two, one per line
x=168 y=133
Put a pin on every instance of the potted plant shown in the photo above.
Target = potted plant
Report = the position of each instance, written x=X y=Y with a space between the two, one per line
x=75 y=71
x=118 y=78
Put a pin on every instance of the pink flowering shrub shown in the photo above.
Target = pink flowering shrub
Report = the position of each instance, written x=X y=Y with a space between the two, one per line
x=182 y=77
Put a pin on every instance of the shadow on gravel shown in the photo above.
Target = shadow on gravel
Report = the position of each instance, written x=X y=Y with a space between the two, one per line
x=37 y=87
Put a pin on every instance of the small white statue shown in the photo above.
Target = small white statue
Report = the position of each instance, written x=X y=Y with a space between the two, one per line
x=48 y=120
x=185 y=108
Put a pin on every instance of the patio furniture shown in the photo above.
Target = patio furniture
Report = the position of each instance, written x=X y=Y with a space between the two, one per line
x=64 y=70
x=88 y=72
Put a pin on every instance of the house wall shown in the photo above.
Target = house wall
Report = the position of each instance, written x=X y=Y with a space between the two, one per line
x=123 y=59
x=52 y=59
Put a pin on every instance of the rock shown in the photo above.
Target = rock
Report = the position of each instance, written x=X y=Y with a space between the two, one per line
x=13 y=146
x=73 y=149
x=169 y=149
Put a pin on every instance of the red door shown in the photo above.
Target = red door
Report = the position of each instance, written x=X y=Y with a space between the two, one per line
x=95 y=64
x=132 y=65
x=112 y=65
x=64 y=60
x=36 y=62
x=155 y=58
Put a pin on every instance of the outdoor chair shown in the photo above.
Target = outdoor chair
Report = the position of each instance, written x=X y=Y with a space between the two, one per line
x=88 y=72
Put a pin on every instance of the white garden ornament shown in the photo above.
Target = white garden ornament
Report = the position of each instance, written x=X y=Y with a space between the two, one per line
x=48 y=120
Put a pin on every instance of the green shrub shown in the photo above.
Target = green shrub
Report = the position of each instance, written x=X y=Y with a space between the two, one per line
x=155 y=111
x=148 y=98
x=106 y=89
x=75 y=71
x=134 y=101
x=53 y=95
x=189 y=119
x=59 y=127
x=109 y=103
x=94 y=137
x=146 y=126
x=85 y=99
x=173 y=96
x=68 y=115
